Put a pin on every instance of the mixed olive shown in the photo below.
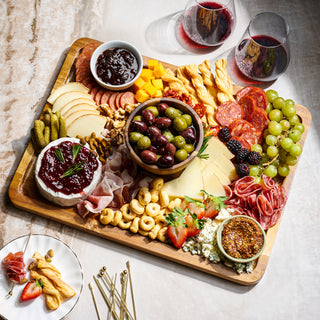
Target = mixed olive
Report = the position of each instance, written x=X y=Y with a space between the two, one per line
x=162 y=135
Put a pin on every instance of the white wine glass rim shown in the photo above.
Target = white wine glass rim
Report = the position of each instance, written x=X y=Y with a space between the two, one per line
x=223 y=6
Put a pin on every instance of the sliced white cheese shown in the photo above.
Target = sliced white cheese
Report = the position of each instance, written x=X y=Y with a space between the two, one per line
x=213 y=185
x=215 y=146
x=75 y=102
x=86 y=124
x=66 y=97
x=225 y=165
x=75 y=115
x=211 y=168
x=71 y=86
x=189 y=183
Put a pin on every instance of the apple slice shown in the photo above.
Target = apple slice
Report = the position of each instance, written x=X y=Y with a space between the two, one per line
x=65 y=109
x=85 y=125
x=75 y=115
x=79 y=107
x=67 y=97
x=71 y=86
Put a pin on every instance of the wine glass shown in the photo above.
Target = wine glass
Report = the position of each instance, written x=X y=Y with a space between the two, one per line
x=209 y=23
x=263 y=52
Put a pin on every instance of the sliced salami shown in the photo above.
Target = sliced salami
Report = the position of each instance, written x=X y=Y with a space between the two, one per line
x=117 y=101
x=105 y=97
x=98 y=95
x=228 y=112
x=260 y=97
x=243 y=92
x=127 y=98
x=237 y=127
x=259 y=119
x=252 y=136
x=248 y=104
x=89 y=48
x=112 y=101
x=243 y=141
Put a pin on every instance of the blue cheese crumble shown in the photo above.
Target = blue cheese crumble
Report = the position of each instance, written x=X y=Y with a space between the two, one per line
x=205 y=244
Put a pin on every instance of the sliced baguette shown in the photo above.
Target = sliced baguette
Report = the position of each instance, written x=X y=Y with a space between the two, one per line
x=64 y=110
x=71 y=86
x=67 y=97
x=85 y=125
x=75 y=115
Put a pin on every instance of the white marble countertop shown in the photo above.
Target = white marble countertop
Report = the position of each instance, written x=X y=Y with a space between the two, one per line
x=35 y=36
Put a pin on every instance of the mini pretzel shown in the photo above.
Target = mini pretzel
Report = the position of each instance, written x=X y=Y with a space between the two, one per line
x=164 y=199
x=144 y=196
x=146 y=223
x=154 y=195
x=135 y=225
x=123 y=224
x=106 y=216
x=152 y=209
x=143 y=233
x=154 y=232
x=136 y=207
x=174 y=203
x=157 y=184
x=127 y=215
x=162 y=234
x=117 y=218
x=160 y=220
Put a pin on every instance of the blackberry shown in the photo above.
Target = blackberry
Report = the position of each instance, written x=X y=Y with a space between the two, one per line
x=243 y=169
x=241 y=155
x=224 y=134
x=253 y=158
x=234 y=146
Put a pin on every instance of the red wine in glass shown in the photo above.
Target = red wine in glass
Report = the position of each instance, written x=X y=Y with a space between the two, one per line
x=261 y=58
x=208 y=23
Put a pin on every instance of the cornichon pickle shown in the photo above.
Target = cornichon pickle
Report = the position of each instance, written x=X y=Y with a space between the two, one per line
x=58 y=114
x=62 y=127
x=38 y=131
x=47 y=135
x=54 y=127
x=47 y=119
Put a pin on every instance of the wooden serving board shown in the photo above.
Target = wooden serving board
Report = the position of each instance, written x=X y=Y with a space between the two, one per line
x=24 y=194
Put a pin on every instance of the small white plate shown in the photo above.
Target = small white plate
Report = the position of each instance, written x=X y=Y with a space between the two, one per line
x=64 y=259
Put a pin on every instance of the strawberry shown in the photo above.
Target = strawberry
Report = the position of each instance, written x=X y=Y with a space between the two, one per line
x=32 y=290
x=196 y=207
x=213 y=205
x=194 y=224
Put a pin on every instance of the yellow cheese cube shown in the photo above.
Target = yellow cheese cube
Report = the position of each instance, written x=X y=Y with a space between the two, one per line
x=139 y=84
x=149 y=88
x=146 y=74
x=157 y=94
x=141 y=95
x=152 y=64
x=158 y=70
x=157 y=83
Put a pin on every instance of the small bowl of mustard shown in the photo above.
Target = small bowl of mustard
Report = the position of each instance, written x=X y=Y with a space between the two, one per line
x=241 y=239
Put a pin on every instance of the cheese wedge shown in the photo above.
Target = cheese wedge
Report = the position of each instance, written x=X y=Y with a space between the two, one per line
x=188 y=184
x=75 y=102
x=213 y=185
x=215 y=146
x=73 y=116
x=225 y=165
x=71 y=86
x=79 y=107
x=212 y=168
x=67 y=97
x=85 y=125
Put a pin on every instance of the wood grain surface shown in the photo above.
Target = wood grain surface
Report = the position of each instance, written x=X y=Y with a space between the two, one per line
x=24 y=195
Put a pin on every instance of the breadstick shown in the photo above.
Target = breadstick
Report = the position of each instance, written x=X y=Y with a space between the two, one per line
x=223 y=81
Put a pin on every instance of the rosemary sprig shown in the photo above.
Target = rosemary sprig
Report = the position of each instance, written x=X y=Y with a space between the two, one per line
x=75 y=151
x=59 y=155
x=209 y=132
x=75 y=168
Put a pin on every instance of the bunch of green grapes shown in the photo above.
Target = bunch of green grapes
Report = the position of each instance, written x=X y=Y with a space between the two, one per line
x=280 y=148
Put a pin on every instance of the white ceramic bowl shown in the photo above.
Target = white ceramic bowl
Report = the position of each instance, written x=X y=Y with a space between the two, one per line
x=115 y=44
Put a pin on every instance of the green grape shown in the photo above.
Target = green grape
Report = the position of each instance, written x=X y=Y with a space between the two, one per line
x=269 y=107
x=285 y=124
x=283 y=154
x=274 y=128
x=258 y=180
x=283 y=170
x=286 y=144
x=265 y=147
x=257 y=148
x=299 y=126
x=291 y=160
x=264 y=158
x=275 y=115
x=288 y=110
x=254 y=171
x=272 y=151
x=276 y=163
x=295 y=135
x=295 y=150
x=271 y=95
x=271 y=171
x=294 y=120
x=278 y=103
x=271 y=140
x=265 y=133
x=290 y=102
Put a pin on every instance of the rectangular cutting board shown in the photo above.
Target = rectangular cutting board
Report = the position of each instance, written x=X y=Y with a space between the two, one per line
x=24 y=194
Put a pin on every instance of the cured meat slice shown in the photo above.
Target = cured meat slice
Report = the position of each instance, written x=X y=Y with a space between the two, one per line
x=244 y=142
x=246 y=186
x=237 y=127
x=252 y=136
x=248 y=104
x=244 y=91
x=127 y=98
x=98 y=95
x=112 y=101
x=94 y=90
x=259 y=119
x=117 y=101
x=89 y=48
x=227 y=112
x=260 y=97
x=14 y=266
x=105 y=97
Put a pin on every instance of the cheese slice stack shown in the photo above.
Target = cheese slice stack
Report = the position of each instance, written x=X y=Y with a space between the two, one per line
x=209 y=175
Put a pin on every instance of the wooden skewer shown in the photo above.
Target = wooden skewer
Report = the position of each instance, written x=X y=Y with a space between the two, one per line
x=94 y=300
x=113 y=284
x=10 y=293
x=124 y=285
x=131 y=289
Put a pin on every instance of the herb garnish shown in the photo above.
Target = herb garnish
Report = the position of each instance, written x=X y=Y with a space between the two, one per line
x=176 y=217
x=218 y=201
x=197 y=202
x=75 y=168
x=59 y=155
x=209 y=132
x=75 y=151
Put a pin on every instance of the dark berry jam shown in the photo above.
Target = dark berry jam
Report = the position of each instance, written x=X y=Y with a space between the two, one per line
x=117 y=66
x=52 y=169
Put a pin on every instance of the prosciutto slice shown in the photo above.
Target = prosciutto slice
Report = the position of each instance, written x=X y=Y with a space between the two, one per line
x=14 y=266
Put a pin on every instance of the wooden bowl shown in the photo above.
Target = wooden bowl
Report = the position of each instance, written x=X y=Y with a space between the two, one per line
x=176 y=168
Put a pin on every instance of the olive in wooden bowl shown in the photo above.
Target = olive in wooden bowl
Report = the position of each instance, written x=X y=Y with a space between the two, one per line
x=163 y=135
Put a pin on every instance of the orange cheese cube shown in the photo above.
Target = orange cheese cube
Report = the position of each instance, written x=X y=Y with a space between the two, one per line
x=152 y=64
x=139 y=84
x=157 y=83
x=157 y=94
x=158 y=70
x=141 y=95
x=149 y=88
x=146 y=74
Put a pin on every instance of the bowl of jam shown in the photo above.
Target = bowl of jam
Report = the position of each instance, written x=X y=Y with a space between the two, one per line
x=241 y=239
x=116 y=65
